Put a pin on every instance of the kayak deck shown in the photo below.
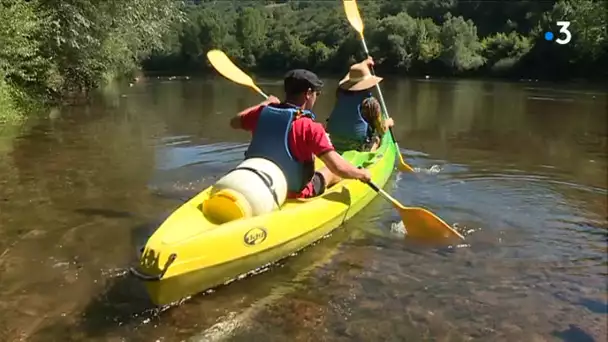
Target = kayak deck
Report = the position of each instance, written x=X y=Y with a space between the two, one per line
x=188 y=253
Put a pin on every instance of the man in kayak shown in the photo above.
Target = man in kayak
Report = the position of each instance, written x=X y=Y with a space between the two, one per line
x=286 y=133
x=355 y=122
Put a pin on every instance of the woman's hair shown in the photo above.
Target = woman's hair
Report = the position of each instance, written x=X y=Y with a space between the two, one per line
x=370 y=110
x=372 y=113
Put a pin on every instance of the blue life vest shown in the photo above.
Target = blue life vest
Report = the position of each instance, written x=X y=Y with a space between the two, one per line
x=346 y=126
x=270 y=142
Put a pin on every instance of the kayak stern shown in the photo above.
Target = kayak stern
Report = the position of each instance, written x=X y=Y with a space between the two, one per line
x=189 y=254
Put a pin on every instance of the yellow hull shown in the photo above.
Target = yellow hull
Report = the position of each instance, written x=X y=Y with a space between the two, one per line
x=188 y=254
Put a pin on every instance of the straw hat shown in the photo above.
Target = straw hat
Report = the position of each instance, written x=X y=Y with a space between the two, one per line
x=359 y=77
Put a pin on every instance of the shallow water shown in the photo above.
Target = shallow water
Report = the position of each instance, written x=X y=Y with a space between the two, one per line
x=519 y=168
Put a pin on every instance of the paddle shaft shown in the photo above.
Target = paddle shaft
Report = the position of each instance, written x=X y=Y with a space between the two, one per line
x=384 y=194
x=382 y=103
x=258 y=90
x=261 y=93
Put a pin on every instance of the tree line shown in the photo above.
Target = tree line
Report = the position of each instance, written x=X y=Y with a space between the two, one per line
x=439 y=37
x=51 y=50
x=54 y=49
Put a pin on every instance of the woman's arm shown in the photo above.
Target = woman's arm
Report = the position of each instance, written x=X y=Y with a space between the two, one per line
x=388 y=123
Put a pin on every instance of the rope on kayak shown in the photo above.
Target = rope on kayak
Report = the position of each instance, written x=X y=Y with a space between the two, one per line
x=267 y=181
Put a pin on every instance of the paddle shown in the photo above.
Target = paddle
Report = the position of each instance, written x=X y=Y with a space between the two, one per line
x=224 y=66
x=421 y=223
x=352 y=13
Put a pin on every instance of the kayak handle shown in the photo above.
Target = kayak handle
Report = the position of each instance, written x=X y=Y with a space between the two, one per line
x=134 y=271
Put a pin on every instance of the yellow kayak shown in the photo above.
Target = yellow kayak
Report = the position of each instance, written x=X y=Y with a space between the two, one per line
x=189 y=254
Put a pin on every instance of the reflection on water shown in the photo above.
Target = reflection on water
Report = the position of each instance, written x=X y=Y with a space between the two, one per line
x=520 y=169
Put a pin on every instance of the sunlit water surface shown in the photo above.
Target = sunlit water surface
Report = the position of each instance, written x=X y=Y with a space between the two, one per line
x=519 y=169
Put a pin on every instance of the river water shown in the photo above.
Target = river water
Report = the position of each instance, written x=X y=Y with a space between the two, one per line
x=519 y=168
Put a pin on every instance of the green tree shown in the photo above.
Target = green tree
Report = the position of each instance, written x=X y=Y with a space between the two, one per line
x=461 y=46
x=588 y=24
x=503 y=51
x=208 y=28
x=395 y=38
x=320 y=54
x=21 y=66
x=19 y=56
x=251 y=32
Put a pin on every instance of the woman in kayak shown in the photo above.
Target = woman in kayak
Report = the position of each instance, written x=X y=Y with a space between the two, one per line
x=355 y=122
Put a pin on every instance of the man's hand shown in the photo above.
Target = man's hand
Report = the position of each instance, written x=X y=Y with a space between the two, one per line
x=342 y=168
x=270 y=100
x=364 y=175
x=369 y=61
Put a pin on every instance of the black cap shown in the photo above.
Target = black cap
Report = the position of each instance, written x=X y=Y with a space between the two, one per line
x=300 y=80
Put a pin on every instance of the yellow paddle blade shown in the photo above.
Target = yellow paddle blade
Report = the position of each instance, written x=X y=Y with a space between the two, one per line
x=403 y=166
x=224 y=66
x=418 y=222
x=352 y=13
x=423 y=224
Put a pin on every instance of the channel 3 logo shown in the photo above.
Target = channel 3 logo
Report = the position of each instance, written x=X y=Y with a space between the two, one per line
x=564 y=30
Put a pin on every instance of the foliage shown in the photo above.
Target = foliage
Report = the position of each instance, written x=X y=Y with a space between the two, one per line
x=460 y=43
x=590 y=40
x=502 y=51
x=442 y=37
x=8 y=108
x=18 y=27
x=55 y=49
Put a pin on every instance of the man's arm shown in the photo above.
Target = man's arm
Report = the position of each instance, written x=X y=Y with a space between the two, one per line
x=321 y=147
x=237 y=121
x=339 y=166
